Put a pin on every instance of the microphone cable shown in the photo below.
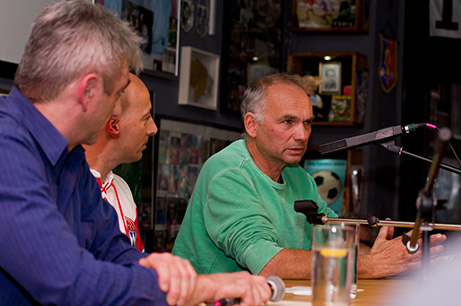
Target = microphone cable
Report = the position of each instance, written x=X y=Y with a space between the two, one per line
x=433 y=126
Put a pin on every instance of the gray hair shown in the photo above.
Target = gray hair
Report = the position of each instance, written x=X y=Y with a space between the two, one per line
x=70 y=39
x=254 y=99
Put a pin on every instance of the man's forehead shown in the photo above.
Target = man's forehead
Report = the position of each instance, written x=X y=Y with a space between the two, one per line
x=283 y=95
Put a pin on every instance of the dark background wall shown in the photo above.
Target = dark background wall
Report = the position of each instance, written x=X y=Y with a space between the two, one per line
x=380 y=194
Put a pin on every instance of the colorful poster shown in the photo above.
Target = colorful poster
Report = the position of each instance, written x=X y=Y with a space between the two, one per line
x=388 y=63
x=330 y=177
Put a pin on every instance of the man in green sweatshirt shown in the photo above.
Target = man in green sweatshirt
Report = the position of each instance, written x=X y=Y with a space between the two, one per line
x=241 y=214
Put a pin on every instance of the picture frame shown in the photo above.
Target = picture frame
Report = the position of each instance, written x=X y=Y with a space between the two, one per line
x=199 y=78
x=330 y=16
x=161 y=47
x=336 y=184
x=330 y=72
x=182 y=149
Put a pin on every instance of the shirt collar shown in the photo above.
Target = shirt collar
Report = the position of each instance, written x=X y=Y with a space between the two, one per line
x=107 y=181
x=52 y=142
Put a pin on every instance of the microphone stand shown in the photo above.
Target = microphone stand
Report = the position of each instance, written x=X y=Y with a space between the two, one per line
x=310 y=208
x=426 y=203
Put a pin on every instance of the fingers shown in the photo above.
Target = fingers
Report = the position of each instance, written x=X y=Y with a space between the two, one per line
x=250 y=289
x=184 y=277
x=390 y=231
x=383 y=233
x=175 y=276
x=256 y=291
x=437 y=238
x=434 y=240
x=261 y=290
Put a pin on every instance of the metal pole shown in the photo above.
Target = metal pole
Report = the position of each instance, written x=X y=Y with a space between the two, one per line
x=404 y=224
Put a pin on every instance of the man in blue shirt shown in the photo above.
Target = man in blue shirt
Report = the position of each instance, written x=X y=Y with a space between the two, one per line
x=60 y=242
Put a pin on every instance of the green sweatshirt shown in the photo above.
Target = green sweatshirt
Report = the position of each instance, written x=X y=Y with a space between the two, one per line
x=239 y=219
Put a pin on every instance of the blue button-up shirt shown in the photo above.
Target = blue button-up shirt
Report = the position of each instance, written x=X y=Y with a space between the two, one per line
x=59 y=241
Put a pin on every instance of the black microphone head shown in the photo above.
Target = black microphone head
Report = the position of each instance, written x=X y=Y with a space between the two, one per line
x=277 y=286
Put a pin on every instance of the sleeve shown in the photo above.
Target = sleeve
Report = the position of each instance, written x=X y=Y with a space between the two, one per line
x=40 y=252
x=237 y=221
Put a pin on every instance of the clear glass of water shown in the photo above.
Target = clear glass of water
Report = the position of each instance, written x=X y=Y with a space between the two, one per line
x=355 y=271
x=332 y=264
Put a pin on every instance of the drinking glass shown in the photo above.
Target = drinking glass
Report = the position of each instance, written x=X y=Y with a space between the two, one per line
x=332 y=264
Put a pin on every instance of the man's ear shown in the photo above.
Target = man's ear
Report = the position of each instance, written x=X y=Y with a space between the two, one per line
x=250 y=124
x=86 y=89
x=112 y=127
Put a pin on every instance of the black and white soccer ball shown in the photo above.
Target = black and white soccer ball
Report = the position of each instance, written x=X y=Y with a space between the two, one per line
x=328 y=184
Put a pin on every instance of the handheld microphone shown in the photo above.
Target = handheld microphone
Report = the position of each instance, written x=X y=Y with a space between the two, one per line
x=376 y=136
x=275 y=283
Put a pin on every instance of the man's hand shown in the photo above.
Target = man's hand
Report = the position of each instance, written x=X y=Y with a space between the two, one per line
x=175 y=276
x=389 y=256
x=251 y=289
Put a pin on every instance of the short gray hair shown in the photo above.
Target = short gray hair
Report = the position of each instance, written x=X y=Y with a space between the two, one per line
x=70 y=39
x=254 y=99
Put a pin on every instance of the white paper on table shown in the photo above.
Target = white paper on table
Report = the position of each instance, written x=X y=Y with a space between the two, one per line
x=289 y=303
x=300 y=290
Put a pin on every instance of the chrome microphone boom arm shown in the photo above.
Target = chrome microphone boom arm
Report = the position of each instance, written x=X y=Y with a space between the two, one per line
x=376 y=222
x=310 y=209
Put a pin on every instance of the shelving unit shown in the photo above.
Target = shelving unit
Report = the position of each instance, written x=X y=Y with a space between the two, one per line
x=346 y=107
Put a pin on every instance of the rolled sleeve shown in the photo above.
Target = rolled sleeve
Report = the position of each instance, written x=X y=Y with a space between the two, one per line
x=259 y=254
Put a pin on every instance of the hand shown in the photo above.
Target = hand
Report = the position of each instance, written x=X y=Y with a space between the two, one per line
x=389 y=256
x=251 y=289
x=175 y=276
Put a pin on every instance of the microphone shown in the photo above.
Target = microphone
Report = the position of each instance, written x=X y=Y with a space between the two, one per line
x=275 y=283
x=376 y=136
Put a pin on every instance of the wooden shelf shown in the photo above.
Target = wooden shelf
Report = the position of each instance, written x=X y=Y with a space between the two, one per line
x=340 y=108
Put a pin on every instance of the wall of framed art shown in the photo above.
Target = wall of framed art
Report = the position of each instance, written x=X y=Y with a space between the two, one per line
x=252 y=46
x=158 y=22
x=182 y=149
x=342 y=85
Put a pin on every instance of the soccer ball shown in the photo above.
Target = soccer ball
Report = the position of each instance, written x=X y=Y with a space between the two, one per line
x=328 y=184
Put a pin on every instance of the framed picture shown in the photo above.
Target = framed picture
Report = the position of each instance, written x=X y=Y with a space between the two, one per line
x=330 y=177
x=199 y=78
x=331 y=15
x=338 y=186
x=330 y=72
x=157 y=21
x=183 y=148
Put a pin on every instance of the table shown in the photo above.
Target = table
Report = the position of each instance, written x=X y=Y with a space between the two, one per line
x=376 y=291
